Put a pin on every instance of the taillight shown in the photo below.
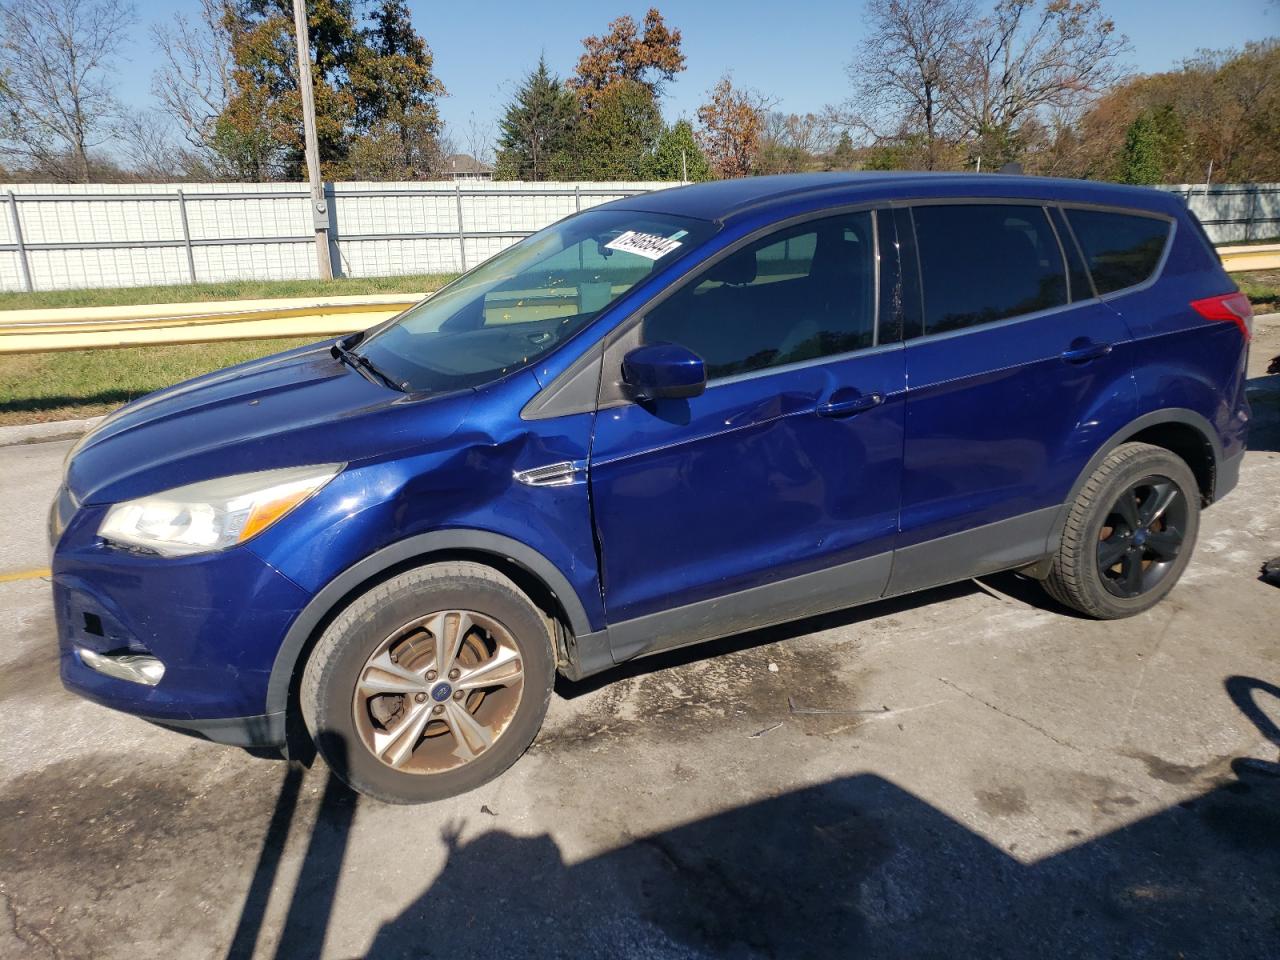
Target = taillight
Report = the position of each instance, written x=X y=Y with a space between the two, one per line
x=1231 y=307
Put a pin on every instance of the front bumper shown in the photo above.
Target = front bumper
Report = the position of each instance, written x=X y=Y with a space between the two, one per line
x=216 y=622
x=265 y=730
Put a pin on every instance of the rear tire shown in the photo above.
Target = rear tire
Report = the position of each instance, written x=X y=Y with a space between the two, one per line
x=395 y=725
x=1129 y=534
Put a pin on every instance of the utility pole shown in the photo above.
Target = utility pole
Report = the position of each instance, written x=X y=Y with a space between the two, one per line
x=319 y=207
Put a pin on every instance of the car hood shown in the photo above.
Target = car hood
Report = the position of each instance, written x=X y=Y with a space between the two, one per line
x=300 y=407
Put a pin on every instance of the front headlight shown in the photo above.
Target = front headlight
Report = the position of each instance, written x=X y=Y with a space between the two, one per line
x=214 y=514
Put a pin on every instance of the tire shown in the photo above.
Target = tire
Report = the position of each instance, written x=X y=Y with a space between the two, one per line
x=1129 y=486
x=359 y=696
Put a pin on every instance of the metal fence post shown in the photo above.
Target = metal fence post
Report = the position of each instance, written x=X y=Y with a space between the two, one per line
x=1253 y=213
x=186 y=236
x=462 y=233
x=577 y=197
x=22 y=247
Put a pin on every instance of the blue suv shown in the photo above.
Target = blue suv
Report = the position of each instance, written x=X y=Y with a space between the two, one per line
x=663 y=420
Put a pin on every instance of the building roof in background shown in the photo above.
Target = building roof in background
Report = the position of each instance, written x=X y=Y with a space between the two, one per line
x=465 y=163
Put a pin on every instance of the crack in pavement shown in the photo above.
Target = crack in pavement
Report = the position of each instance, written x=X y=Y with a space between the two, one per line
x=1142 y=673
x=24 y=932
x=1012 y=716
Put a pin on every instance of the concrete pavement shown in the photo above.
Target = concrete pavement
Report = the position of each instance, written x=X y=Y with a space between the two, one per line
x=961 y=772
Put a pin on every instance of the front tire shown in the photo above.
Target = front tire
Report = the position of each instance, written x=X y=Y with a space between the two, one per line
x=1129 y=534
x=429 y=684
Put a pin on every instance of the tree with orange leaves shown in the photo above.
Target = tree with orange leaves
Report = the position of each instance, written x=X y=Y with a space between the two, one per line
x=650 y=57
x=732 y=123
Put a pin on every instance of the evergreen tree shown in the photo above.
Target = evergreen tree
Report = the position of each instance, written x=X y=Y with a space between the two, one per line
x=1151 y=146
x=396 y=122
x=676 y=155
x=619 y=134
x=843 y=156
x=537 y=129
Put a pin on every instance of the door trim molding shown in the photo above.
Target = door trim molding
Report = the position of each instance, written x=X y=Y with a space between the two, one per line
x=1003 y=545
x=989 y=548
x=807 y=595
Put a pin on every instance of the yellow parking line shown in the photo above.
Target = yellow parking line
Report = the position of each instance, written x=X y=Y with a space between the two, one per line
x=24 y=575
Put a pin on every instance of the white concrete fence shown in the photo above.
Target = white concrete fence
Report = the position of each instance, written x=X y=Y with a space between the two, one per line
x=1234 y=212
x=58 y=236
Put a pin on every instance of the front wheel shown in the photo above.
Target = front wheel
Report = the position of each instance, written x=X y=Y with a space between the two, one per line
x=1129 y=534
x=430 y=684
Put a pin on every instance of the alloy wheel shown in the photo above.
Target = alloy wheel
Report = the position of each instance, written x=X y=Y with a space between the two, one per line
x=438 y=692
x=1142 y=536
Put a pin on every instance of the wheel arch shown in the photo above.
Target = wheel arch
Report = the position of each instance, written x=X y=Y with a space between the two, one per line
x=1182 y=432
x=530 y=570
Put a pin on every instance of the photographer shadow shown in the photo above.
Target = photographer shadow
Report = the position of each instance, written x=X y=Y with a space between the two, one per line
x=860 y=867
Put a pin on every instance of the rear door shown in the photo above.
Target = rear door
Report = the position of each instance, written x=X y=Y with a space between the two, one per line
x=775 y=493
x=1016 y=374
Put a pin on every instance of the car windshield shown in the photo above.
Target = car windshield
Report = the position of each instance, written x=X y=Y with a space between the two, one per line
x=517 y=306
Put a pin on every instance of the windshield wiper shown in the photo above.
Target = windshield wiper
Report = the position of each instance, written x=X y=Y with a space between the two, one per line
x=364 y=366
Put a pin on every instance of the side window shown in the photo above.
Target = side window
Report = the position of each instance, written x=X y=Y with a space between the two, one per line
x=1122 y=249
x=805 y=292
x=580 y=279
x=985 y=262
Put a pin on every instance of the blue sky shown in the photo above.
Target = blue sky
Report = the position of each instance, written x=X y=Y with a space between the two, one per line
x=796 y=52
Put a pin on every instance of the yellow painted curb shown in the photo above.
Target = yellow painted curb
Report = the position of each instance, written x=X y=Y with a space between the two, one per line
x=1236 y=259
x=38 y=331
x=25 y=575
x=205 y=308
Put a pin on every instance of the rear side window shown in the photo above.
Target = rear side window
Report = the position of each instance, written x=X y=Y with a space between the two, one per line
x=805 y=292
x=1122 y=249
x=985 y=262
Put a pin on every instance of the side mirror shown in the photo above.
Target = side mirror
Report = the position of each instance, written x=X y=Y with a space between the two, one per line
x=659 y=371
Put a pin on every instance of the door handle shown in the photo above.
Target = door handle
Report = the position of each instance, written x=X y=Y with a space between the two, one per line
x=1084 y=350
x=845 y=408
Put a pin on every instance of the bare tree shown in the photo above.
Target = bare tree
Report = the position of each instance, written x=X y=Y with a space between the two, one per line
x=477 y=140
x=903 y=71
x=932 y=76
x=811 y=133
x=144 y=140
x=57 y=58
x=795 y=142
x=195 y=82
x=1026 y=59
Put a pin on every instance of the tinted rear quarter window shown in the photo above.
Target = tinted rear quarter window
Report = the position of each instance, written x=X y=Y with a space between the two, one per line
x=986 y=262
x=1122 y=249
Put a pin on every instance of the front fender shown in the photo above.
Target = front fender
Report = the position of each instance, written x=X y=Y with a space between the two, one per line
x=338 y=590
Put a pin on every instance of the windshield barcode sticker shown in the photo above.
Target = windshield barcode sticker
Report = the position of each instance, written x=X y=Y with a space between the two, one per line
x=647 y=245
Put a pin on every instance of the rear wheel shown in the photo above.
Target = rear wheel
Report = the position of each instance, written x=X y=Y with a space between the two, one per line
x=430 y=684
x=1129 y=534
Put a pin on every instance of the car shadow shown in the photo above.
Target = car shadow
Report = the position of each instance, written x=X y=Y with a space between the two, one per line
x=853 y=867
x=569 y=689
x=1008 y=586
